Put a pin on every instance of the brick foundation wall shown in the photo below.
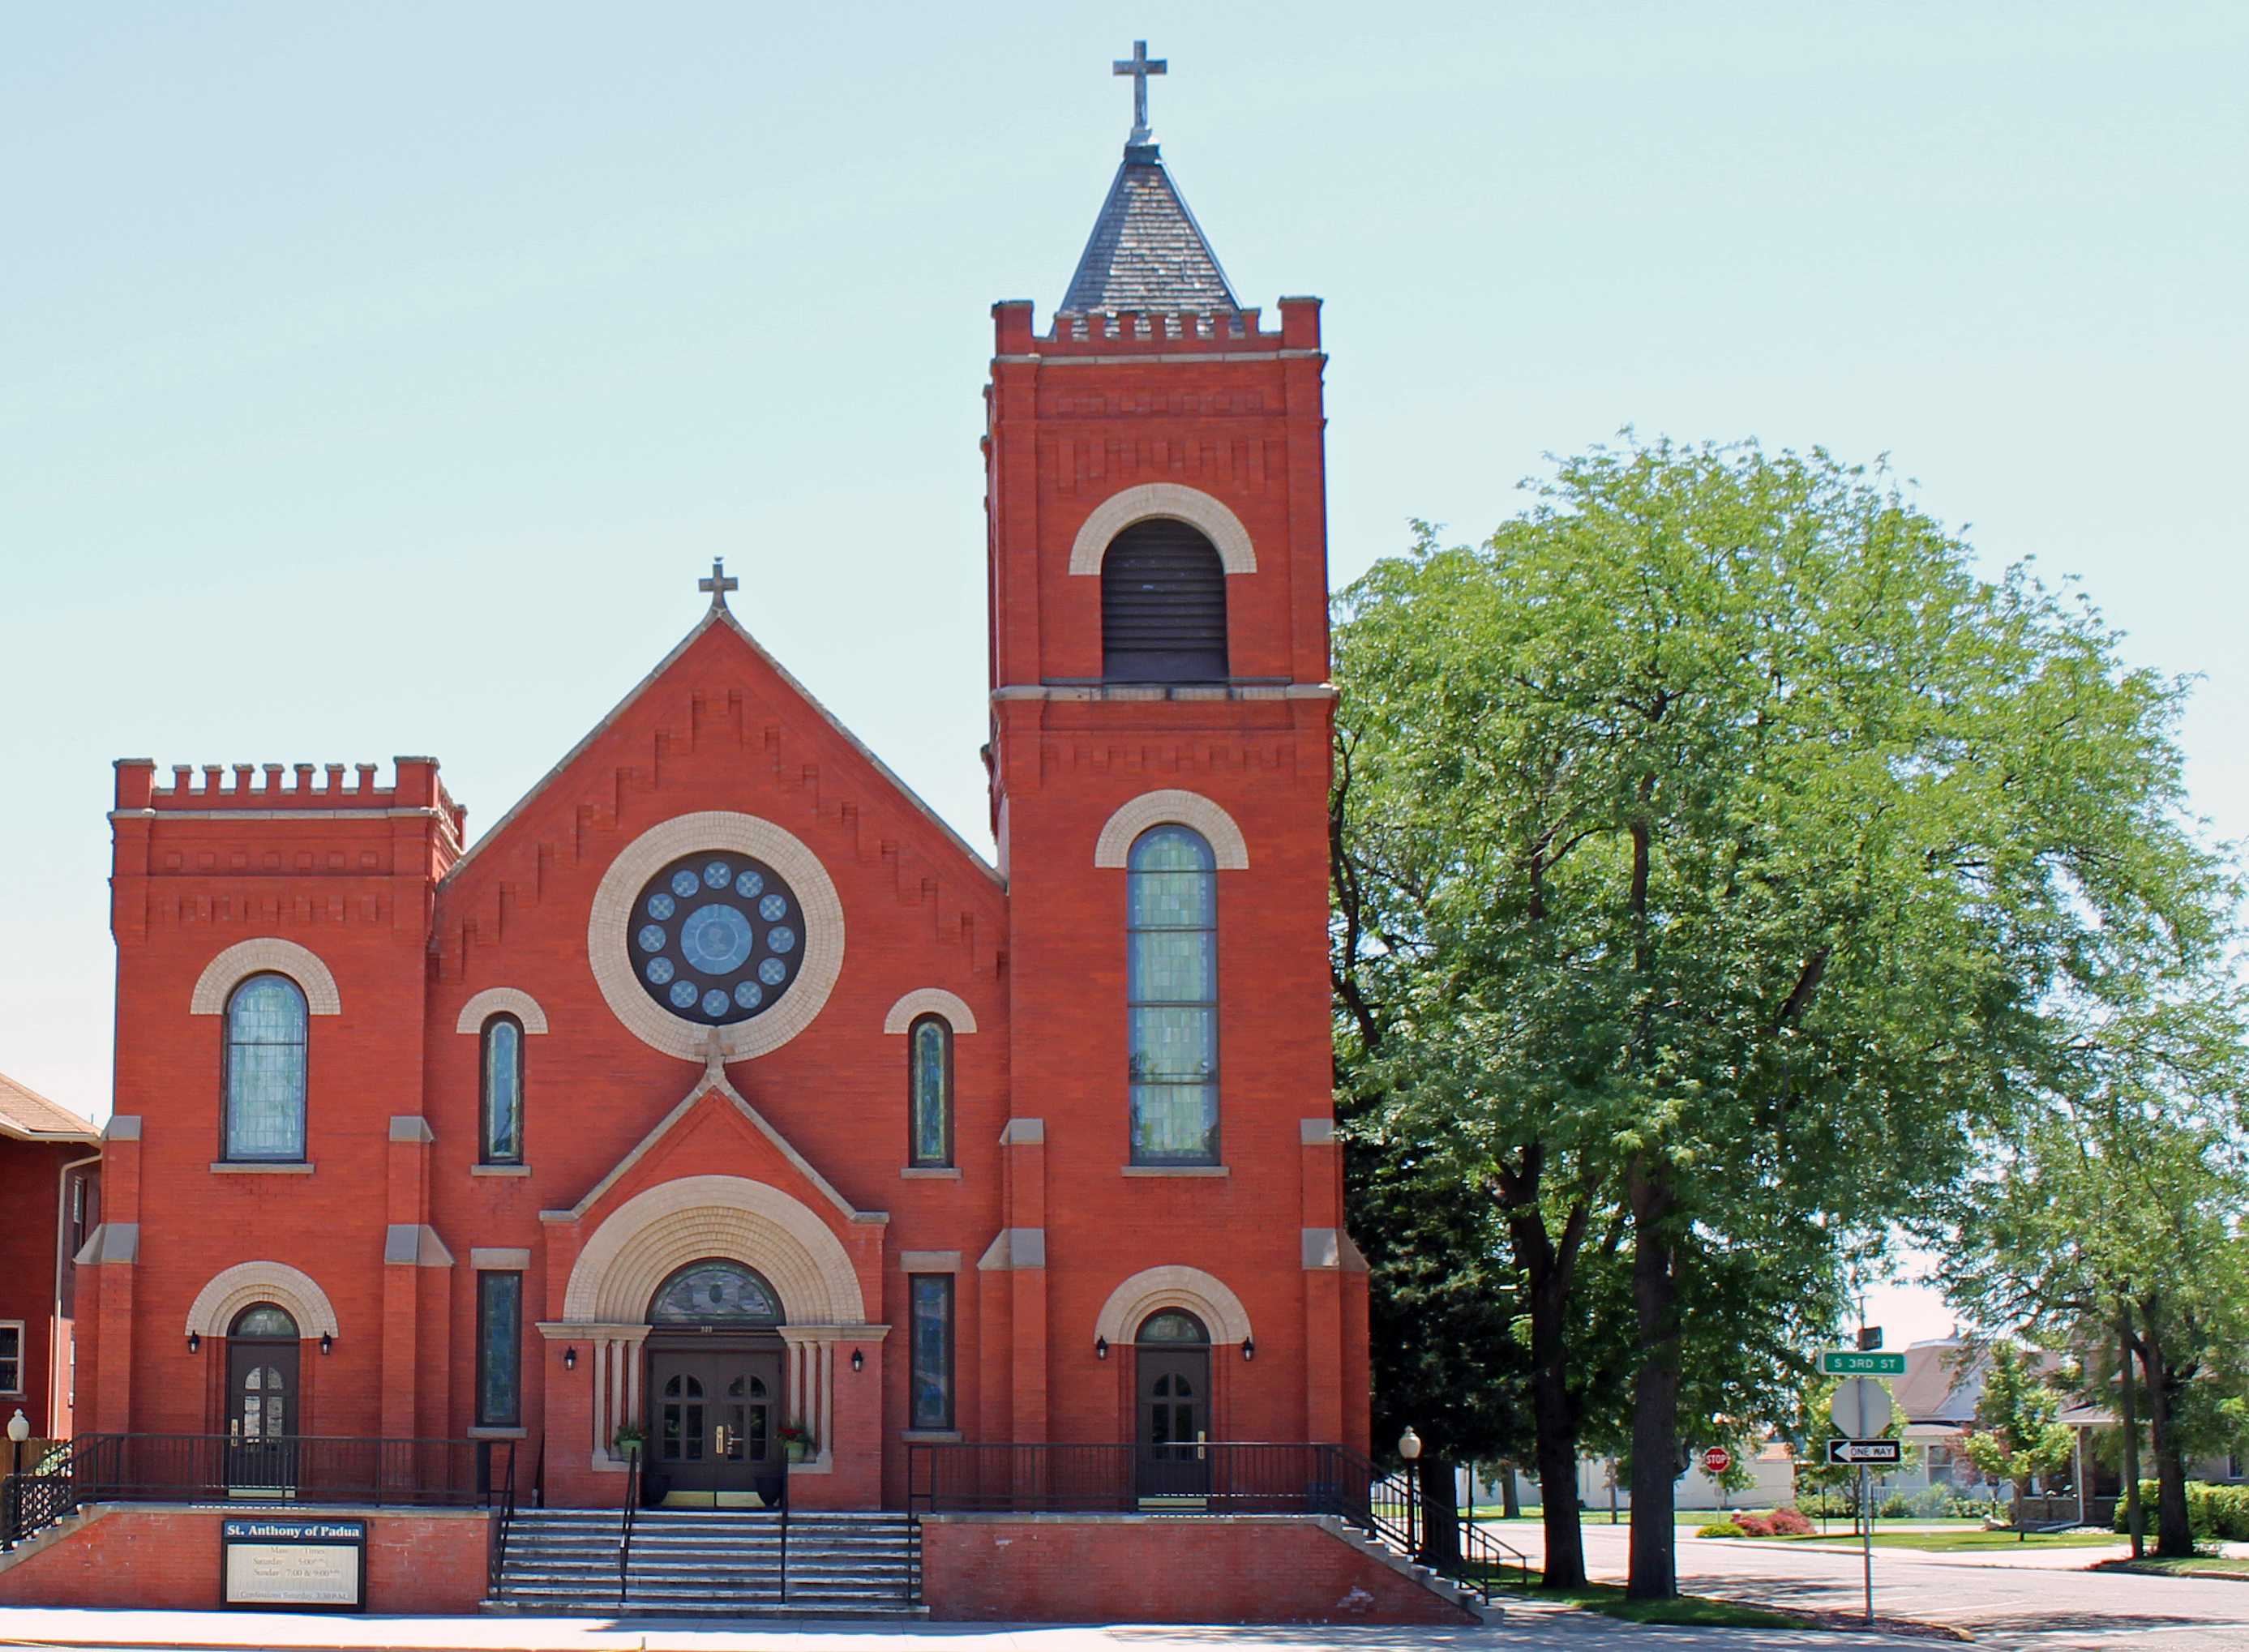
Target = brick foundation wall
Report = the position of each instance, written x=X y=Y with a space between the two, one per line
x=162 y=1558
x=1165 y=1569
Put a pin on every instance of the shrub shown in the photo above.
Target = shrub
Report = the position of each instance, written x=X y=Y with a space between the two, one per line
x=1754 y=1525
x=1896 y=1506
x=1933 y=1503
x=1788 y=1523
x=2216 y=1513
x=1722 y=1529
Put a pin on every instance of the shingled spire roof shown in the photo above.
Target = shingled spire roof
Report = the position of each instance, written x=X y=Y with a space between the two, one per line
x=1147 y=252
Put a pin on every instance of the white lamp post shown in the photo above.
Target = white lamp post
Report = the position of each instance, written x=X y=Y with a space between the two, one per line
x=20 y=1429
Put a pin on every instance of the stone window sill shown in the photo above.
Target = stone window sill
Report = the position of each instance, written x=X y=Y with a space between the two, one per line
x=254 y=1168
x=1175 y=1169
x=930 y=1437
x=498 y=1434
x=499 y=1170
x=929 y=1173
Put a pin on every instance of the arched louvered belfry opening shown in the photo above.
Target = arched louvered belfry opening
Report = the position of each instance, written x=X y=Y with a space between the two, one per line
x=1162 y=605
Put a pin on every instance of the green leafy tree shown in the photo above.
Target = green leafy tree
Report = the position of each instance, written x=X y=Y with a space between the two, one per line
x=1707 y=836
x=2016 y=1436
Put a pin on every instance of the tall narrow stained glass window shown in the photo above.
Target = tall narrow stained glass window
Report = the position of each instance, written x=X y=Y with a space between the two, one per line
x=503 y=1090
x=929 y=1082
x=499 y=1350
x=265 y=1070
x=1171 y=997
x=930 y=1387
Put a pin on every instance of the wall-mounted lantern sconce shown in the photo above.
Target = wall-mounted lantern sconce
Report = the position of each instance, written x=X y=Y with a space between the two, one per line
x=1101 y=1347
x=328 y=1343
x=569 y=1358
x=195 y=1342
x=858 y=1359
x=1248 y=1348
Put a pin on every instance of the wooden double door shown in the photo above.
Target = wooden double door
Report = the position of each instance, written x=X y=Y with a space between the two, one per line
x=715 y=1416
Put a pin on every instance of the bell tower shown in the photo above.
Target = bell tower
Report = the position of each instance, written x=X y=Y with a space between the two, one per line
x=1158 y=586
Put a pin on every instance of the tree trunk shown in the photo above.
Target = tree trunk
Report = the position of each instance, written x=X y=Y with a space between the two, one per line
x=2174 y=1530
x=2135 y=1518
x=1548 y=1269
x=1440 y=1514
x=1510 y=1501
x=1655 y=1393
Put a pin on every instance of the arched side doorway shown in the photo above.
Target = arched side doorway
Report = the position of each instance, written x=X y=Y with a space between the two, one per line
x=1172 y=1383
x=263 y=1400
x=717 y=1388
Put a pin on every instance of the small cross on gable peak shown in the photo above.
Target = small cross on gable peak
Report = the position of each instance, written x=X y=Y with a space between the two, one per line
x=718 y=585
x=1139 y=66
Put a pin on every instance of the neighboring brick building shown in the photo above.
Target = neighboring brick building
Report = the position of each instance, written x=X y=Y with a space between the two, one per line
x=720 y=1089
x=49 y=1180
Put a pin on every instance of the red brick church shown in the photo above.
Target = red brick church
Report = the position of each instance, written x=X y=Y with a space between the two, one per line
x=720 y=1097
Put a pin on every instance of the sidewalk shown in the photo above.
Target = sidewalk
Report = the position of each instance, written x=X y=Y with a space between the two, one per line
x=1527 y=1626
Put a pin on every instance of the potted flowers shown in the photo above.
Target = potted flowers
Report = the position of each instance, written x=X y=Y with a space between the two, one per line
x=795 y=1443
x=629 y=1441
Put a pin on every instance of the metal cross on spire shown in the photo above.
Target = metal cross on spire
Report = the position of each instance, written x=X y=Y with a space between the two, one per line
x=1140 y=66
x=718 y=585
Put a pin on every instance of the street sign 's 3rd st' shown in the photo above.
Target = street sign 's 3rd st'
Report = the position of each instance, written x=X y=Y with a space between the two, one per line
x=1849 y=1362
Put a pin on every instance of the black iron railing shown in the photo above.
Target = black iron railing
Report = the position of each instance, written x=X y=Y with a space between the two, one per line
x=204 y=1468
x=1218 y=1477
x=503 y=1519
x=625 y=1520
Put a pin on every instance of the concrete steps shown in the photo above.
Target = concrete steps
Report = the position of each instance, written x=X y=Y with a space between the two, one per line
x=710 y=1563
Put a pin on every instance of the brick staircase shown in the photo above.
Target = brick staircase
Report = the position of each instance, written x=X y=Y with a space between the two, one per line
x=710 y=1563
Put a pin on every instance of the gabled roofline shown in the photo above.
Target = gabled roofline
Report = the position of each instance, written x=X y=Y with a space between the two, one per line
x=719 y=612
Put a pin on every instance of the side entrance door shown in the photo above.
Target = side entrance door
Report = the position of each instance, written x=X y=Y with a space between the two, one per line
x=714 y=1416
x=261 y=1385
x=1174 y=1409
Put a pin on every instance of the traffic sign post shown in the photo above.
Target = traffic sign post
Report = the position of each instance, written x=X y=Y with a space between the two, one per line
x=1862 y=1409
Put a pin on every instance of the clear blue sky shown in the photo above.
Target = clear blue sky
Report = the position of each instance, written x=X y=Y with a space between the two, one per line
x=379 y=379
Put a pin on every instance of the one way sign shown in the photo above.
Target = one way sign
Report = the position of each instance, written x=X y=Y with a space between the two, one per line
x=1872 y=1452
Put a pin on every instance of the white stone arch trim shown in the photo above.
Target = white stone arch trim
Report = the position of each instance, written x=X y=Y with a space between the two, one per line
x=268 y=954
x=656 y=1233
x=233 y=1289
x=501 y=1001
x=639 y=860
x=1151 y=1290
x=930 y=1001
x=1191 y=505
x=1172 y=808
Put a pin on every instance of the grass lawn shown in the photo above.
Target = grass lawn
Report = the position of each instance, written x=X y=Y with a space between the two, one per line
x=1696 y=1610
x=1965 y=1542
x=2204 y=1565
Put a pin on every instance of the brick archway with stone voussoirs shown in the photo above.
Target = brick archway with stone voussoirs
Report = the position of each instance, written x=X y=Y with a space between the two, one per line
x=656 y=1232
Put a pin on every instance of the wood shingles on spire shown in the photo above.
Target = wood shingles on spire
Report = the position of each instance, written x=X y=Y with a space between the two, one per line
x=1146 y=252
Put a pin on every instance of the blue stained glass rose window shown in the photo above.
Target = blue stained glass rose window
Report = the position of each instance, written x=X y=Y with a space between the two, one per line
x=731 y=937
x=716 y=939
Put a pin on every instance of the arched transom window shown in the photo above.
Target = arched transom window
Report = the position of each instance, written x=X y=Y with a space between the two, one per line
x=1171 y=997
x=715 y=1293
x=265 y=1070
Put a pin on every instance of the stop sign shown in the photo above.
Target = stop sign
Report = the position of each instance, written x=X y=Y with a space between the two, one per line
x=1716 y=1460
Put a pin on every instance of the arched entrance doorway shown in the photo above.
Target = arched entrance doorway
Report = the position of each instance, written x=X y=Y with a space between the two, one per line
x=262 y=1350
x=1172 y=1351
x=716 y=1395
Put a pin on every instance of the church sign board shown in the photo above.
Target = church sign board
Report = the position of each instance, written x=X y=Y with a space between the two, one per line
x=298 y=1566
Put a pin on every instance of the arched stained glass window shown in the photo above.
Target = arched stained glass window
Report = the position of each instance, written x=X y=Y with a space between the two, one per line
x=265 y=1070
x=263 y=1319
x=1172 y=1325
x=1171 y=997
x=715 y=1293
x=503 y=1090
x=929 y=1081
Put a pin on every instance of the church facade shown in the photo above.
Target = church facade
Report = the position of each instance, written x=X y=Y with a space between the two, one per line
x=720 y=1104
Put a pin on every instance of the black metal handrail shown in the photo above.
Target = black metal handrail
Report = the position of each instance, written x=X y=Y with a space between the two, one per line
x=496 y=1554
x=1217 y=1477
x=625 y=1520
x=202 y=1468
